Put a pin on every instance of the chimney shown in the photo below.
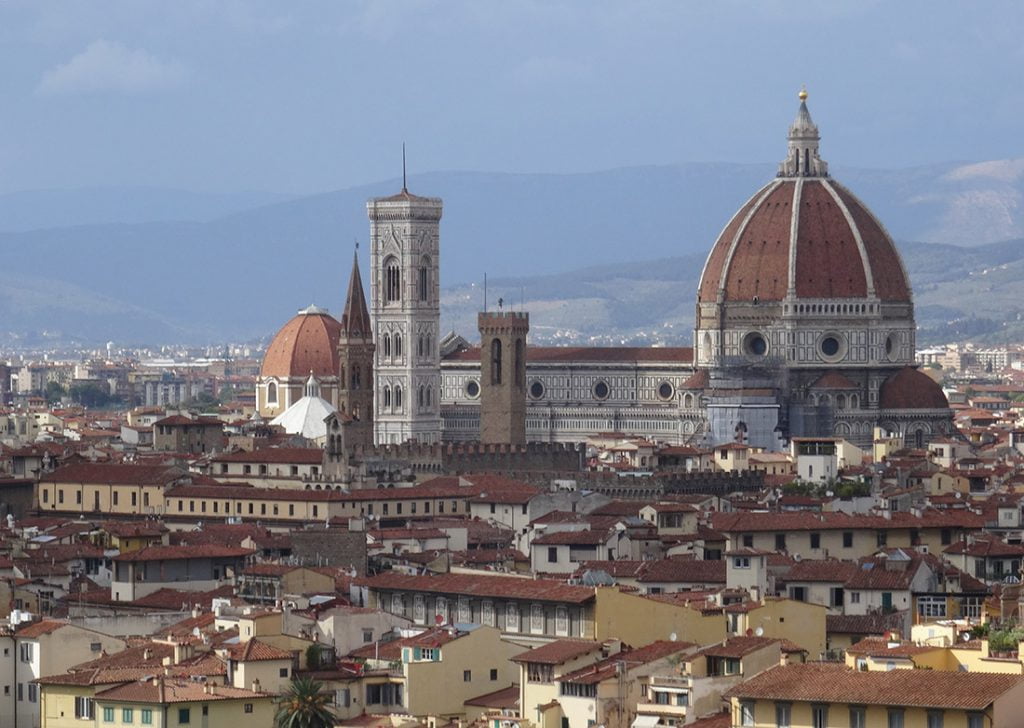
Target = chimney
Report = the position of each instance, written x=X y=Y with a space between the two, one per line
x=256 y=685
x=147 y=654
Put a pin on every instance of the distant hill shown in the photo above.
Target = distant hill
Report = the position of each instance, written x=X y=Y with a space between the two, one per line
x=613 y=255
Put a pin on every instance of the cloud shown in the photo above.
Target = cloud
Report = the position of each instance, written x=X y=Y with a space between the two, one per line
x=106 y=66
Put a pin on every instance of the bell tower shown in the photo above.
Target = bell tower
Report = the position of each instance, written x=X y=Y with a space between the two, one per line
x=355 y=362
x=406 y=316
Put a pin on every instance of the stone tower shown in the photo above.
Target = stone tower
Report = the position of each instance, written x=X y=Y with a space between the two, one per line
x=405 y=293
x=355 y=362
x=503 y=376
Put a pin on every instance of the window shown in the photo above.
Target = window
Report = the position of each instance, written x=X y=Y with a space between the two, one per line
x=494 y=674
x=367 y=635
x=815 y=540
x=146 y=716
x=283 y=672
x=392 y=281
x=467 y=676
x=858 y=716
x=934 y=719
x=947 y=536
x=882 y=538
x=847 y=539
x=782 y=715
x=780 y=542
x=248 y=707
x=895 y=718
x=746 y=713
x=748 y=540
x=854 y=597
x=975 y=720
x=127 y=715
x=26 y=650
x=83 y=708
x=108 y=715
x=539 y=673
x=934 y=607
x=819 y=716
x=741 y=562
x=33 y=693
x=496 y=361
x=184 y=716
x=424 y=279
x=552 y=554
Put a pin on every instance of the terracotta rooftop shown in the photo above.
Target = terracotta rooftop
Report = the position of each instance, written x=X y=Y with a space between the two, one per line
x=910 y=388
x=115 y=474
x=558 y=354
x=164 y=691
x=835 y=683
x=558 y=651
x=307 y=344
x=502 y=587
x=254 y=650
x=204 y=551
x=273 y=455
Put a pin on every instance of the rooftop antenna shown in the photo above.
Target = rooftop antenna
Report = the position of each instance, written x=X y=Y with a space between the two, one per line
x=404 y=187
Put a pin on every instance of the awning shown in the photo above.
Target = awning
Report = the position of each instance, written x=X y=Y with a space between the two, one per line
x=646 y=721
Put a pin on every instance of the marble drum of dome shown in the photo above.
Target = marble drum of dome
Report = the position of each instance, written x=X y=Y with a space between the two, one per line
x=803 y=275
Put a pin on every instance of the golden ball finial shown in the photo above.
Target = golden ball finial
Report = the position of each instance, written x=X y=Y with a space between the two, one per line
x=803 y=93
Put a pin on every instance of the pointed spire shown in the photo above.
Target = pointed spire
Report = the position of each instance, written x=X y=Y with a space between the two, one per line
x=405 y=187
x=803 y=159
x=312 y=386
x=355 y=321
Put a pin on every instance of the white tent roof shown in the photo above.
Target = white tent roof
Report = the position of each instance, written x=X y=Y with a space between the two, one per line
x=306 y=417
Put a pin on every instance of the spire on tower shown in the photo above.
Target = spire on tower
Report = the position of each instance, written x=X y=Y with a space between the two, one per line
x=803 y=159
x=405 y=187
x=355 y=320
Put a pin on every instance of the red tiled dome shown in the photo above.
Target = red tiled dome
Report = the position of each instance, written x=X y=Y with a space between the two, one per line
x=813 y=229
x=308 y=343
x=911 y=389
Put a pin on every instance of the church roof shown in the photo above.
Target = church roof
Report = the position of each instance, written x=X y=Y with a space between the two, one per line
x=833 y=380
x=910 y=388
x=804 y=236
x=306 y=417
x=355 y=321
x=538 y=354
x=308 y=344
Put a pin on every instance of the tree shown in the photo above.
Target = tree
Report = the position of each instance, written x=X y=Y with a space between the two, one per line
x=90 y=394
x=304 y=704
x=53 y=392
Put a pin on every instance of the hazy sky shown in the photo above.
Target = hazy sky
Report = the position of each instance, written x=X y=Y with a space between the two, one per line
x=304 y=95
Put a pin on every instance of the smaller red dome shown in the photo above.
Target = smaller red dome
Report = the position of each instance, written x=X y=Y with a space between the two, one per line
x=306 y=344
x=911 y=389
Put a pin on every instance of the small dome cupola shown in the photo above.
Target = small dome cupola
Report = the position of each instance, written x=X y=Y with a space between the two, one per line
x=803 y=159
x=312 y=386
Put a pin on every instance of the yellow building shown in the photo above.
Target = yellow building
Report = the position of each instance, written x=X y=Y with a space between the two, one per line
x=640 y=620
x=801 y=623
x=169 y=703
x=541 y=667
x=829 y=694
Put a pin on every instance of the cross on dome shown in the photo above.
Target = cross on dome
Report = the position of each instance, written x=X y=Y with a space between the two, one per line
x=803 y=159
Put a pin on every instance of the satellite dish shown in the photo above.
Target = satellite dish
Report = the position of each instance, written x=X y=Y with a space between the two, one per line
x=759 y=631
x=673 y=637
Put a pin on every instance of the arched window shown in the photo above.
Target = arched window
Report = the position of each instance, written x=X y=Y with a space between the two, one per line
x=428 y=396
x=419 y=345
x=424 y=282
x=919 y=439
x=392 y=281
x=386 y=396
x=355 y=411
x=398 y=397
x=520 y=363
x=272 y=393
x=496 y=361
x=840 y=401
x=398 y=345
x=356 y=377
x=387 y=345
x=419 y=397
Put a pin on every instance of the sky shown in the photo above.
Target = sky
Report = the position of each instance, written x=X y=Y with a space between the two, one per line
x=305 y=96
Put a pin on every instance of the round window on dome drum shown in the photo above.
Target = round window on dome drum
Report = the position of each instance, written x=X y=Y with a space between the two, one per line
x=754 y=344
x=472 y=389
x=830 y=346
x=601 y=390
x=536 y=390
x=666 y=390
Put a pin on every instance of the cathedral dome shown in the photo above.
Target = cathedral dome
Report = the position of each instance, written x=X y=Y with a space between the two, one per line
x=306 y=345
x=910 y=388
x=803 y=236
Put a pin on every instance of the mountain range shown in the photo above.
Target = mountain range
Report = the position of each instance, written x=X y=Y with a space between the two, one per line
x=603 y=257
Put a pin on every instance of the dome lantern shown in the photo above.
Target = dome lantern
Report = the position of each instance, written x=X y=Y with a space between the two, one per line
x=803 y=159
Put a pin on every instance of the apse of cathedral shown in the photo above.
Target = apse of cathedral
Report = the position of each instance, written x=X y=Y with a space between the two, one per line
x=804 y=327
